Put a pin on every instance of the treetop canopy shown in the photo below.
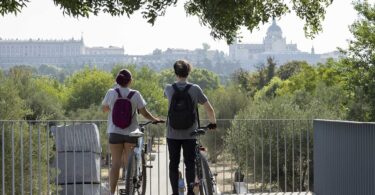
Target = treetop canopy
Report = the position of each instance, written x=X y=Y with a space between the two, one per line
x=223 y=17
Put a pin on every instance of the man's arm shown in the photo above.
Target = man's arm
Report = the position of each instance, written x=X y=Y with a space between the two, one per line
x=210 y=112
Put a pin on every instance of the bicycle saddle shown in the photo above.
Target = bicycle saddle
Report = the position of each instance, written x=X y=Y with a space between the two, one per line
x=136 y=133
x=198 y=132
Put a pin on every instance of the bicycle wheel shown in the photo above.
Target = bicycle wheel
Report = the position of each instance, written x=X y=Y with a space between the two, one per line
x=142 y=181
x=206 y=186
x=130 y=175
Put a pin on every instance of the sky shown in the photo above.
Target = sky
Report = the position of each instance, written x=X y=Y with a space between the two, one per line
x=42 y=19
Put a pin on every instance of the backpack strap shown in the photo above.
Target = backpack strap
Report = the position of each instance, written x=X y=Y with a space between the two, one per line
x=174 y=85
x=199 y=122
x=187 y=87
x=130 y=95
x=118 y=92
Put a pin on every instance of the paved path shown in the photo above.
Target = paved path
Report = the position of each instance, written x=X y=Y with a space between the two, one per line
x=158 y=180
x=158 y=183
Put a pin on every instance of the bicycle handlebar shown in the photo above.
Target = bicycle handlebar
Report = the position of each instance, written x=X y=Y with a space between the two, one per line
x=150 y=122
x=199 y=131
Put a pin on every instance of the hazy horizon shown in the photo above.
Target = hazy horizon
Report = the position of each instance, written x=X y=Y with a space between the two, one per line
x=42 y=19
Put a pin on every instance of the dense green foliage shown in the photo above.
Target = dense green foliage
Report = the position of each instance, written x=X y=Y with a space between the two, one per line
x=359 y=65
x=30 y=94
x=202 y=77
x=224 y=18
x=87 y=87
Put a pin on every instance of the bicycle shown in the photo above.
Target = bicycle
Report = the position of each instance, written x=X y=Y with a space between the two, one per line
x=135 y=177
x=206 y=179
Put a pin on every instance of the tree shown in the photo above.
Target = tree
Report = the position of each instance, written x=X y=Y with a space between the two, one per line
x=241 y=78
x=206 y=46
x=289 y=69
x=306 y=80
x=222 y=99
x=271 y=68
x=267 y=138
x=157 y=52
x=204 y=78
x=41 y=95
x=359 y=65
x=52 y=71
x=12 y=107
x=269 y=91
x=87 y=87
x=223 y=17
x=47 y=99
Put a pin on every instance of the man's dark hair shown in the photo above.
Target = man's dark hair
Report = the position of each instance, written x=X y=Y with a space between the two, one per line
x=182 y=68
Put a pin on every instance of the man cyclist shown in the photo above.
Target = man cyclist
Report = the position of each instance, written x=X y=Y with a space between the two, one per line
x=179 y=128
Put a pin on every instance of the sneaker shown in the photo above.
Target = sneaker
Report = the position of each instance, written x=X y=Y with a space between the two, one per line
x=122 y=192
x=136 y=133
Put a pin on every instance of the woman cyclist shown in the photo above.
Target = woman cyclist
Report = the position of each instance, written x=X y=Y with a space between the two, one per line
x=119 y=140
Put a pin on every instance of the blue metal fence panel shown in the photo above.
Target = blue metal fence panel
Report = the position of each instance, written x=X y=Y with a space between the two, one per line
x=344 y=160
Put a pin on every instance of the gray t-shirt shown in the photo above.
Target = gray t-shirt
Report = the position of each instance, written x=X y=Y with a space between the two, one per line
x=197 y=96
x=137 y=103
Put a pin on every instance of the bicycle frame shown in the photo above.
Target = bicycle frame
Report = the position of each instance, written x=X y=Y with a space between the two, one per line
x=136 y=172
x=198 y=160
x=138 y=149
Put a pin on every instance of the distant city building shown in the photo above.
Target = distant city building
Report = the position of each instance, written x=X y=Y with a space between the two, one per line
x=274 y=45
x=104 y=50
x=213 y=60
x=73 y=52
x=56 y=52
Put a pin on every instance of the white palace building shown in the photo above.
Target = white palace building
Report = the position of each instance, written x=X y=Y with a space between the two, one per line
x=56 y=52
x=274 y=45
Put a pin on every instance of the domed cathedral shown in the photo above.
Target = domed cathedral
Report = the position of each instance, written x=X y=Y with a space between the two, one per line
x=274 y=45
x=275 y=42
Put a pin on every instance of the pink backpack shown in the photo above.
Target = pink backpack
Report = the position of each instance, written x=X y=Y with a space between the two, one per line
x=122 y=110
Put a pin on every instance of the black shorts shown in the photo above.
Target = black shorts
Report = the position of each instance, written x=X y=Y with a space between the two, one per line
x=115 y=138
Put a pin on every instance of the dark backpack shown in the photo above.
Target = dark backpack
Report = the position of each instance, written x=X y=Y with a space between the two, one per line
x=181 y=114
x=122 y=110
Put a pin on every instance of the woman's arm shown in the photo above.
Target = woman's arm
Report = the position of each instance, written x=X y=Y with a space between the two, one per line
x=106 y=108
x=145 y=113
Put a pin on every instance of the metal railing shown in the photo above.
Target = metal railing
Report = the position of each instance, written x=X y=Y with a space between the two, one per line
x=247 y=156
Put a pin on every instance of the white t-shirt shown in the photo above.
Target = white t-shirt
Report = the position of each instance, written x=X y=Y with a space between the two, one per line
x=137 y=103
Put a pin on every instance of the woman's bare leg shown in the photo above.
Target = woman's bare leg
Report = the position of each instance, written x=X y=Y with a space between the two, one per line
x=116 y=151
x=127 y=149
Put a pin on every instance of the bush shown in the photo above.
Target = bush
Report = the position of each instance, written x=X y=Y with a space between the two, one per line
x=222 y=99
x=262 y=138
